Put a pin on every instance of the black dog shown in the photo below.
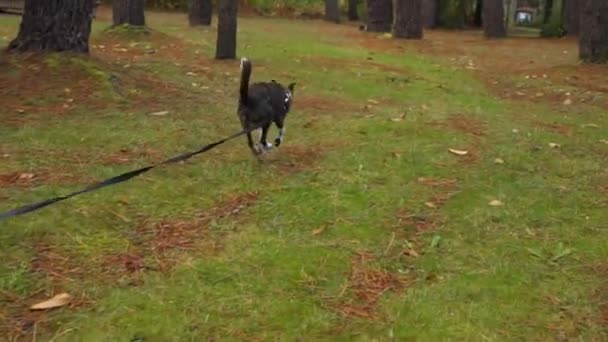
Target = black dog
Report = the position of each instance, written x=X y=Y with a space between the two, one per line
x=262 y=104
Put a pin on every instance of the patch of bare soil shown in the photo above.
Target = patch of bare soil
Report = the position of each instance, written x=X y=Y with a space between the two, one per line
x=158 y=239
x=366 y=285
x=555 y=127
x=295 y=158
x=324 y=105
x=34 y=178
x=128 y=155
x=39 y=87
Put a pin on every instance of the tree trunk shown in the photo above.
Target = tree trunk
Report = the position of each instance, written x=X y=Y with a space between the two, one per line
x=54 y=25
x=572 y=16
x=429 y=13
x=200 y=13
x=593 y=36
x=408 y=19
x=332 y=11
x=477 y=20
x=379 y=15
x=353 y=14
x=494 y=19
x=129 y=12
x=226 y=29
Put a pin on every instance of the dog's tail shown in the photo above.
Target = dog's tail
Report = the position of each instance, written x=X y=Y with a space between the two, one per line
x=245 y=75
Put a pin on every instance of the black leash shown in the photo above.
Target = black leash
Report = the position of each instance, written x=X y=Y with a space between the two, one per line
x=117 y=179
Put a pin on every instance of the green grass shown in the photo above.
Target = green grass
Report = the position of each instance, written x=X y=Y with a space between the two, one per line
x=522 y=271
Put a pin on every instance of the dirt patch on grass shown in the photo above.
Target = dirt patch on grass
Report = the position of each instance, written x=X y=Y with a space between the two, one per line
x=366 y=285
x=555 y=127
x=325 y=105
x=463 y=123
x=160 y=240
x=421 y=223
x=35 y=178
x=51 y=263
x=127 y=156
x=294 y=158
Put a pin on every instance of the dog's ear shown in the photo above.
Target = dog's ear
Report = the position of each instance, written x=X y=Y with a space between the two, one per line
x=291 y=86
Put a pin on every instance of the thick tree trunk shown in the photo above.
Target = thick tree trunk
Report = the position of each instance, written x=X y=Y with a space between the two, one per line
x=494 y=19
x=332 y=11
x=54 y=25
x=226 y=29
x=379 y=15
x=200 y=12
x=593 y=36
x=408 y=19
x=477 y=19
x=430 y=9
x=129 y=12
x=353 y=14
x=572 y=16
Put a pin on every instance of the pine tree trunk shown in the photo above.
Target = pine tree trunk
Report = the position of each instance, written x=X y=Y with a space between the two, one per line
x=54 y=25
x=332 y=11
x=572 y=16
x=408 y=19
x=379 y=15
x=477 y=20
x=129 y=12
x=353 y=14
x=200 y=13
x=226 y=29
x=430 y=9
x=593 y=36
x=494 y=19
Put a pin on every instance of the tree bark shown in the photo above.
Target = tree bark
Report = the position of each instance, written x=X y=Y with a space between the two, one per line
x=572 y=16
x=429 y=13
x=353 y=14
x=494 y=19
x=477 y=17
x=408 y=19
x=379 y=15
x=593 y=36
x=332 y=11
x=226 y=29
x=200 y=13
x=129 y=12
x=54 y=26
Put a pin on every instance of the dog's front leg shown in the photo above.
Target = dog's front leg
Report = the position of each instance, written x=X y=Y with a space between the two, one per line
x=279 y=139
x=263 y=140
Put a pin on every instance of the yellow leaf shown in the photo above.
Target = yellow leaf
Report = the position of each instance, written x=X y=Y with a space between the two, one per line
x=458 y=152
x=319 y=230
x=496 y=203
x=57 y=301
x=430 y=205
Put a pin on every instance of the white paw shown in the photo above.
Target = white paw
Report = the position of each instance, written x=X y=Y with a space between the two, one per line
x=267 y=146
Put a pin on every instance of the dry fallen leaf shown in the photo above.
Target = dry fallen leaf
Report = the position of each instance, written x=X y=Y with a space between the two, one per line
x=430 y=205
x=319 y=230
x=554 y=145
x=591 y=125
x=498 y=161
x=372 y=101
x=567 y=102
x=57 y=301
x=162 y=113
x=495 y=203
x=26 y=176
x=604 y=141
x=458 y=152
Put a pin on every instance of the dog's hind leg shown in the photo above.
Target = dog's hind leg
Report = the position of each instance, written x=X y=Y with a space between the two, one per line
x=254 y=148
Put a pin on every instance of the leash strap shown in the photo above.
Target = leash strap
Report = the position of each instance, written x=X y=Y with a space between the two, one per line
x=117 y=179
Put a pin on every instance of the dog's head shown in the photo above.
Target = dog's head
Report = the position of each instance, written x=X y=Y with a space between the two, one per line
x=289 y=95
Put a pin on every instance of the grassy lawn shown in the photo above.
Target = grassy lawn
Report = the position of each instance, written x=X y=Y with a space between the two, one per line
x=362 y=225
